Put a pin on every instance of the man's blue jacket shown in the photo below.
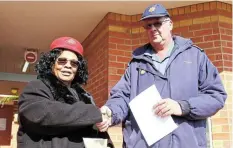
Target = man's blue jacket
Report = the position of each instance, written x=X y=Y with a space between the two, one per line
x=190 y=79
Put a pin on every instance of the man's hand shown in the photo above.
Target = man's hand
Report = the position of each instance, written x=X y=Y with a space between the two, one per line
x=106 y=119
x=167 y=107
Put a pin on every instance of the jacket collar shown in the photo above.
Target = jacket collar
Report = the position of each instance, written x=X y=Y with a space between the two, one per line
x=181 y=44
x=61 y=92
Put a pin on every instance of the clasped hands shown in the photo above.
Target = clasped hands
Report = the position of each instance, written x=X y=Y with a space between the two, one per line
x=106 y=119
x=163 y=108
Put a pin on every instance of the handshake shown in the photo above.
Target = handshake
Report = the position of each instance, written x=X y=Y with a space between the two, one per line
x=106 y=119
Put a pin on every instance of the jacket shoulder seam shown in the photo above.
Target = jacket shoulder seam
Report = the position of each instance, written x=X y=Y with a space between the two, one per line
x=197 y=47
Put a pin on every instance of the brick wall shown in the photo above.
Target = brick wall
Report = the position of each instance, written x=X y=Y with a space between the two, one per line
x=209 y=25
x=222 y=121
x=96 y=53
x=120 y=46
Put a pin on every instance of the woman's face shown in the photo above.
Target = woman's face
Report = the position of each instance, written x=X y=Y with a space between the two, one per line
x=66 y=66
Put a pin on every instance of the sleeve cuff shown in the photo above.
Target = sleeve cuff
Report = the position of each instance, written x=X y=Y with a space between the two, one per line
x=185 y=107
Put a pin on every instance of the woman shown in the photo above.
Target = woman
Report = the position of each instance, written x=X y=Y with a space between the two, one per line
x=54 y=110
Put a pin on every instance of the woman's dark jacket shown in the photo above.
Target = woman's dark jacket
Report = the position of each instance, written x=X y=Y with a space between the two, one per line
x=53 y=116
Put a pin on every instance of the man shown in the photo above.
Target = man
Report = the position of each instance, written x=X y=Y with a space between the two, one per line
x=185 y=78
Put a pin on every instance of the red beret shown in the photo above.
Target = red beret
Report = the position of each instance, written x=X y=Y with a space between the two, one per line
x=67 y=43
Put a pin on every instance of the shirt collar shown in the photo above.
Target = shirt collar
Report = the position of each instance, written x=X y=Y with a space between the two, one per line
x=150 y=52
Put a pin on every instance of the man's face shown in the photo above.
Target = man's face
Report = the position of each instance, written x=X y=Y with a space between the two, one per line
x=158 y=29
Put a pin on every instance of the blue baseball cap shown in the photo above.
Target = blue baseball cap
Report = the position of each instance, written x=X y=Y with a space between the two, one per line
x=156 y=10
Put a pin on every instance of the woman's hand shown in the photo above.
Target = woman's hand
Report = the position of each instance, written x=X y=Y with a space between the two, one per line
x=106 y=119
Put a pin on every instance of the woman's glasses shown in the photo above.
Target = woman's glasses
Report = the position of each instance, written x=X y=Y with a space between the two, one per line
x=63 y=61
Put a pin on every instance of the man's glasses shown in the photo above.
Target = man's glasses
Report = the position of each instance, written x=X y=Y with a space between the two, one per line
x=156 y=24
x=63 y=61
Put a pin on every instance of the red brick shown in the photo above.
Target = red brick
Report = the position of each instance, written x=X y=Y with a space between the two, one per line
x=120 y=35
x=180 y=17
x=217 y=43
x=203 y=32
x=228 y=69
x=135 y=41
x=197 y=39
x=218 y=63
x=187 y=34
x=200 y=7
x=112 y=71
x=116 y=52
x=112 y=57
x=124 y=47
x=112 y=45
x=134 y=47
x=115 y=64
x=228 y=31
x=193 y=8
x=111 y=83
x=126 y=65
x=224 y=43
x=216 y=31
x=116 y=40
x=212 y=57
x=229 y=44
x=213 y=5
x=177 y=33
x=175 y=11
x=219 y=57
x=120 y=71
x=226 y=37
x=111 y=16
x=212 y=37
x=136 y=35
x=144 y=41
x=227 y=57
x=128 y=42
x=227 y=50
x=123 y=59
x=213 y=50
x=225 y=25
x=195 y=27
x=187 y=9
x=220 y=69
x=114 y=77
x=219 y=5
x=222 y=30
x=181 y=29
x=205 y=45
x=206 y=25
x=227 y=63
x=128 y=54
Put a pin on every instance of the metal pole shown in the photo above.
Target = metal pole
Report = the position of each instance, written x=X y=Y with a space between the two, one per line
x=210 y=132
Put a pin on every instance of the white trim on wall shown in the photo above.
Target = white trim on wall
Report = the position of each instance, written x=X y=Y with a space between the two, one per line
x=16 y=77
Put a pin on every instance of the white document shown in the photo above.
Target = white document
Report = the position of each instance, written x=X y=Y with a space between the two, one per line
x=152 y=127
x=95 y=142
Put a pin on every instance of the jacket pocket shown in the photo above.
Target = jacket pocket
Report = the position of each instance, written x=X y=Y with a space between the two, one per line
x=184 y=137
x=200 y=132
